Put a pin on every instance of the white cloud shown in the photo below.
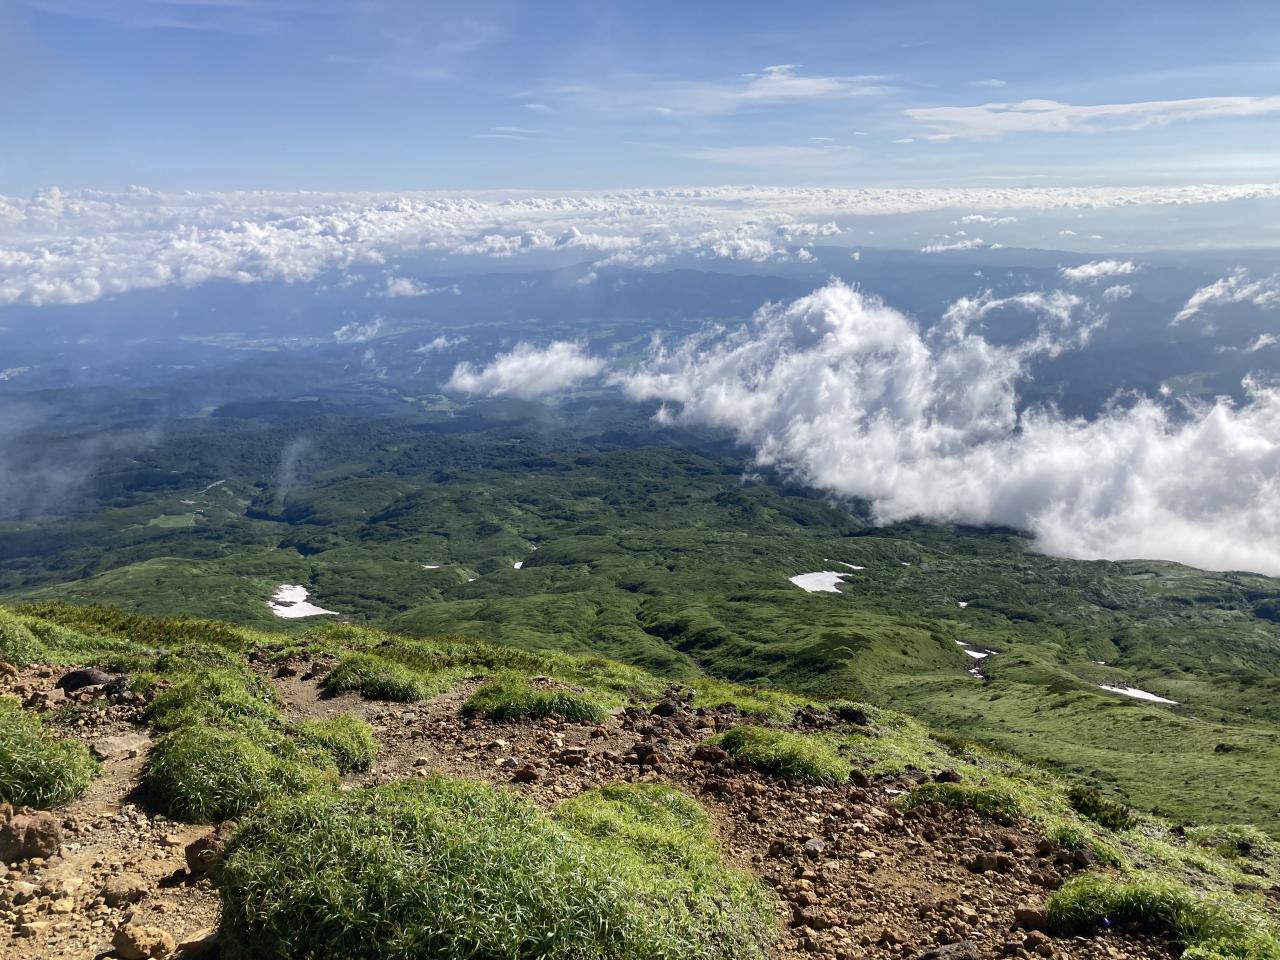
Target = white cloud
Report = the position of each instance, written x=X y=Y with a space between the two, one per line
x=984 y=219
x=539 y=108
x=987 y=83
x=850 y=396
x=1050 y=116
x=77 y=247
x=357 y=332
x=1096 y=270
x=528 y=371
x=1117 y=292
x=439 y=343
x=1234 y=288
x=1263 y=340
x=408 y=287
x=776 y=85
x=947 y=244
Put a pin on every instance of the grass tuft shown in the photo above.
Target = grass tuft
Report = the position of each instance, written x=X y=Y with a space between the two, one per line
x=803 y=758
x=214 y=697
x=377 y=678
x=208 y=774
x=36 y=768
x=513 y=697
x=451 y=869
x=1207 y=928
x=347 y=739
x=1088 y=802
x=991 y=799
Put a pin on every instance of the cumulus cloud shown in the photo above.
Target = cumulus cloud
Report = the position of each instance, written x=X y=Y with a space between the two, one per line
x=1237 y=287
x=358 y=332
x=1097 y=270
x=528 y=371
x=439 y=343
x=77 y=247
x=849 y=395
x=407 y=287
x=1117 y=292
x=1050 y=116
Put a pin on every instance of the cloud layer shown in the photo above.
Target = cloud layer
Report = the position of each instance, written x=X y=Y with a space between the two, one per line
x=849 y=395
x=60 y=247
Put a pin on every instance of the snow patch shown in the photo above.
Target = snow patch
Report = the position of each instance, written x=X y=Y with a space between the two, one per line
x=823 y=581
x=290 y=601
x=1134 y=692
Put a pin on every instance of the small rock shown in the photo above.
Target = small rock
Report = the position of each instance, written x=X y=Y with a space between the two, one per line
x=120 y=891
x=136 y=942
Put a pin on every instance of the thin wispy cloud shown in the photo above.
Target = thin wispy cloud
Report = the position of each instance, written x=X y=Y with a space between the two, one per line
x=773 y=86
x=1051 y=116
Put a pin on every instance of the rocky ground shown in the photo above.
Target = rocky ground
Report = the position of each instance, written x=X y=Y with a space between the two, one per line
x=857 y=877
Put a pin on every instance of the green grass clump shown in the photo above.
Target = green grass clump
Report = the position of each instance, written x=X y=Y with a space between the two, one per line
x=510 y=697
x=207 y=774
x=37 y=769
x=347 y=739
x=1088 y=802
x=1207 y=928
x=448 y=869
x=377 y=678
x=18 y=645
x=803 y=758
x=991 y=798
x=771 y=705
x=216 y=697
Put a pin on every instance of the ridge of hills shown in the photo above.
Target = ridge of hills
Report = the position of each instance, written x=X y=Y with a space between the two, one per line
x=377 y=794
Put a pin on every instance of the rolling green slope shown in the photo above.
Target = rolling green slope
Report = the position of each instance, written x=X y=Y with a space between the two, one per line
x=671 y=558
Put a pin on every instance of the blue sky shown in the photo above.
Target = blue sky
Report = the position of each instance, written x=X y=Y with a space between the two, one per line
x=395 y=95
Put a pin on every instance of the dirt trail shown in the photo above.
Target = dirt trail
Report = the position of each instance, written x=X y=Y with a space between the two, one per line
x=856 y=877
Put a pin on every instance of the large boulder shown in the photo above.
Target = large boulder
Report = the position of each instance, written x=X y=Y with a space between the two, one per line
x=136 y=942
x=26 y=835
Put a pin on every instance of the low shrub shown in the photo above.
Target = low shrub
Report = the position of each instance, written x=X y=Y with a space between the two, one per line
x=512 y=697
x=1207 y=928
x=347 y=739
x=794 y=756
x=451 y=869
x=204 y=774
x=1111 y=814
x=38 y=769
